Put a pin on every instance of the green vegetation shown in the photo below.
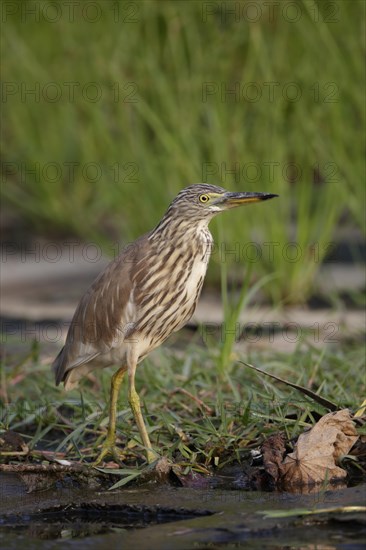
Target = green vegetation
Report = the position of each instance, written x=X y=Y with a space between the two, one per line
x=133 y=101
x=194 y=418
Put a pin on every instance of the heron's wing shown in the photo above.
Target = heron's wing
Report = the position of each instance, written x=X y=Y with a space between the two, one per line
x=103 y=316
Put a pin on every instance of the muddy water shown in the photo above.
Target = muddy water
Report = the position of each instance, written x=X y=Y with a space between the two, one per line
x=165 y=517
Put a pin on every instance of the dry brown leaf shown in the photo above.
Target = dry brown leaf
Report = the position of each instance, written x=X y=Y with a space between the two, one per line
x=316 y=451
x=273 y=449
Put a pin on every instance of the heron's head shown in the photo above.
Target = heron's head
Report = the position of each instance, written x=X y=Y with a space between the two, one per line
x=202 y=201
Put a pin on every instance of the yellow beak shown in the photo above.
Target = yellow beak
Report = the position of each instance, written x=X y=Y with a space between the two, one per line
x=230 y=200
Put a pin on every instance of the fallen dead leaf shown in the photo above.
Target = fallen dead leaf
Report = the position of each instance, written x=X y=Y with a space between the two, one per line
x=273 y=449
x=314 y=458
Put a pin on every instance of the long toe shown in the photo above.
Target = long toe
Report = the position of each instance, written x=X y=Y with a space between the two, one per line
x=109 y=449
x=152 y=456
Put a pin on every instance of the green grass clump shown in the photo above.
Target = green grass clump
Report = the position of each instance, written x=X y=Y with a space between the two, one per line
x=194 y=417
x=130 y=107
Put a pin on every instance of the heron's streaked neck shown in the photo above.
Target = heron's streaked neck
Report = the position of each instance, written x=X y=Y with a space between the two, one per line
x=172 y=226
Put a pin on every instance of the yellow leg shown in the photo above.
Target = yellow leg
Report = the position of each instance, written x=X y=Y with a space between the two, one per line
x=136 y=409
x=109 y=445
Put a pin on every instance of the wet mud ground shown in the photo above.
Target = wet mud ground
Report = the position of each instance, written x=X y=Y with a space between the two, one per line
x=165 y=517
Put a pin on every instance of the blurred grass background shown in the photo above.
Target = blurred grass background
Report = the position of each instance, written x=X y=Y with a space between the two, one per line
x=131 y=102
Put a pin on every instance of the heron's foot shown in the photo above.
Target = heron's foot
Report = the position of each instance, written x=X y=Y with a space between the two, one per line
x=109 y=448
x=151 y=456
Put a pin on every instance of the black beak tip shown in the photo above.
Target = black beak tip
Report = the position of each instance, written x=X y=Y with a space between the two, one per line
x=267 y=196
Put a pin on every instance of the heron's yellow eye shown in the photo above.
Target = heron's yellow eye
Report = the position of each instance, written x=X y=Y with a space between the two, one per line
x=204 y=198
